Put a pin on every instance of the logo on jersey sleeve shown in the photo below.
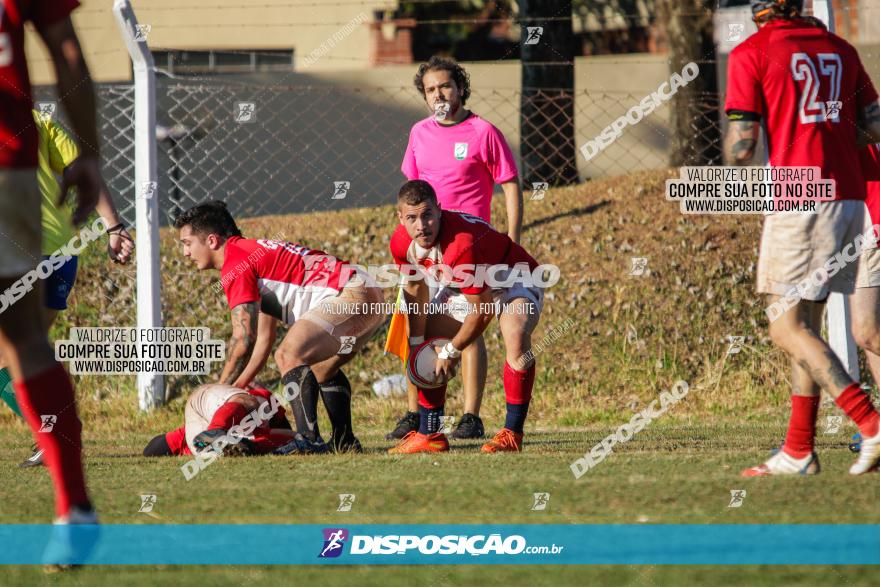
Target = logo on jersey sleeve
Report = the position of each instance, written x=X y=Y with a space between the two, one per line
x=461 y=151
x=334 y=541
x=832 y=109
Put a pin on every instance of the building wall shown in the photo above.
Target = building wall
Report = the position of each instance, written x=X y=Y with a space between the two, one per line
x=187 y=25
x=868 y=19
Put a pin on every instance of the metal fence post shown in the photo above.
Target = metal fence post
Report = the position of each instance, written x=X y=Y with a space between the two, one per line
x=151 y=386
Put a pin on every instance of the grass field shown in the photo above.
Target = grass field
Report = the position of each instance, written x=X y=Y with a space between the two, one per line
x=675 y=471
x=632 y=337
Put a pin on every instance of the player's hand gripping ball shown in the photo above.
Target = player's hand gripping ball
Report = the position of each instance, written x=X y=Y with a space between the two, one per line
x=420 y=364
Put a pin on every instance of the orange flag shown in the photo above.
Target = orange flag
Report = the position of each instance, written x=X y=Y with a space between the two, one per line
x=397 y=342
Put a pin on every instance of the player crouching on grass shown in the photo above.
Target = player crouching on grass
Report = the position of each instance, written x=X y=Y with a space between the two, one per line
x=428 y=236
x=212 y=410
x=332 y=311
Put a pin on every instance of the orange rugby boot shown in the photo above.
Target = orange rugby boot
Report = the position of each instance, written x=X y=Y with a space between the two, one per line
x=505 y=441
x=414 y=442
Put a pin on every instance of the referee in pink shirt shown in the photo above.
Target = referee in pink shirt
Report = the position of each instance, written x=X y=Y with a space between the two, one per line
x=462 y=156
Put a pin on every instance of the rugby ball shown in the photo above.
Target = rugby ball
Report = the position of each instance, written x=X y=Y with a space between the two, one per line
x=420 y=364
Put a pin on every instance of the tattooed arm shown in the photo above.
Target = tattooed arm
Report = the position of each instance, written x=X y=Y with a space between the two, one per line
x=241 y=345
x=869 y=124
x=741 y=140
x=260 y=354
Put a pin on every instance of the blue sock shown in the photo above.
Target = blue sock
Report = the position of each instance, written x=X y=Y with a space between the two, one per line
x=516 y=417
x=429 y=419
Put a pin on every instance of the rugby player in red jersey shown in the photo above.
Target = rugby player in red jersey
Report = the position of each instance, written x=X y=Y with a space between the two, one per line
x=865 y=320
x=809 y=88
x=428 y=236
x=211 y=411
x=331 y=309
x=869 y=158
x=43 y=388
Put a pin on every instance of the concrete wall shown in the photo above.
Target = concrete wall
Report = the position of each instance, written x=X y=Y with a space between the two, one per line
x=239 y=24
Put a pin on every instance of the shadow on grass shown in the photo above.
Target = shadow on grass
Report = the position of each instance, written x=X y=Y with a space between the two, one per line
x=575 y=212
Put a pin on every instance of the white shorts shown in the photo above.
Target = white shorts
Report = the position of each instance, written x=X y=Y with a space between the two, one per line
x=868 y=274
x=357 y=312
x=21 y=227
x=795 y=248
x=450 y=302
x=201 y=406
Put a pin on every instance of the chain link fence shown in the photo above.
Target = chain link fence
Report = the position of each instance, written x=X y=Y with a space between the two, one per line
x=270 y=150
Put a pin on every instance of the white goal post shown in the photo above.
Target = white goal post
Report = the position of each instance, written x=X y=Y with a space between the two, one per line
x=151 y=386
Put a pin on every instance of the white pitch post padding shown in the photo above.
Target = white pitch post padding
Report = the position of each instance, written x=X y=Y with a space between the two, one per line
x=838 y=314
x=823 y=10
x=840 y=338
x=151 y=386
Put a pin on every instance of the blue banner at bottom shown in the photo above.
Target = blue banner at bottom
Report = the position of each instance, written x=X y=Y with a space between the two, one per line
x=377 y=544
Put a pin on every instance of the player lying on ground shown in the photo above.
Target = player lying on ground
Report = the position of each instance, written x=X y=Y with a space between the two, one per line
x=211 y=411
x=56 y=151
x=331 y=309
x=800 y=68
x=429 y=236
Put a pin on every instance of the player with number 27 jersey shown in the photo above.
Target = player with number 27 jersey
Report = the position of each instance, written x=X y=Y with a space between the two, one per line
x=809 y=86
